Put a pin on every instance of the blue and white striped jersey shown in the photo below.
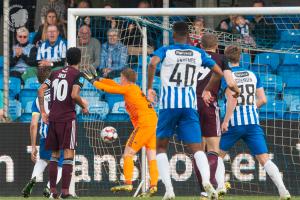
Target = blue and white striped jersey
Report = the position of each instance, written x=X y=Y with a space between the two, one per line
x=245 y=112
x=180 y=69
x=36 y=109
x=54 y=53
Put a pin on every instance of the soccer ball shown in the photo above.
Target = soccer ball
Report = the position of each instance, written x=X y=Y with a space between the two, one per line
x=109 y=134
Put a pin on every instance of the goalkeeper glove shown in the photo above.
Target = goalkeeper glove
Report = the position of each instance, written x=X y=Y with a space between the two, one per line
x=90 y=75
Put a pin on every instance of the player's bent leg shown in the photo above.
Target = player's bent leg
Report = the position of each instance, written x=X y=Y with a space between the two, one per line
x=273 y=171
x=203 y=167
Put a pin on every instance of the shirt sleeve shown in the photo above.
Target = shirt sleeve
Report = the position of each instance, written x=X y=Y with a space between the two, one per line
x=206 y=60
x=161 y=53
x=79 y=80
x=258 y=83
x=48 y=81
x=110 y=87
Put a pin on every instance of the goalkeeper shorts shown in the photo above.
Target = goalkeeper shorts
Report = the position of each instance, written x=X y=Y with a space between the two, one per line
x=142 y=136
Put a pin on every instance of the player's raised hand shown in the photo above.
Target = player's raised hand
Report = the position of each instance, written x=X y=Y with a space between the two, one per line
x=90 y=74
x=33 y=154
x=224 y=127
x=151 y=95
x=207 y=98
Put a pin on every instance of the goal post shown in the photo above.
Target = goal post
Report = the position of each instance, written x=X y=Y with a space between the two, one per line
x=225 y=39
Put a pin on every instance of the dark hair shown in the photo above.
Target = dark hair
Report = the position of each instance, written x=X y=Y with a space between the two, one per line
x=129 y=74
x=259 y=1
x=43 y=73
x=209 y=41
x=233 y=53
x=145 y=2
x=86 y=1
x=73 y=56
x=181 y=29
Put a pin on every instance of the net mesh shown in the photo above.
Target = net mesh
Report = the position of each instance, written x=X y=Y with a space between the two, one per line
x=273 y=56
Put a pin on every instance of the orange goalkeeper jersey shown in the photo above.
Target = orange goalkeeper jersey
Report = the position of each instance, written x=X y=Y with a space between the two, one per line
x=140 y=110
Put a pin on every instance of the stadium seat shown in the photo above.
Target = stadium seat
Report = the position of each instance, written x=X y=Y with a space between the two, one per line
x=271 y=82
x=290 y=36
x=245 y=60
x=98 y=111
x=273 y=109
x=295 y=105
x=87 y=85
x=291 y=79
x=291 y=91
x=117 y=117
x=31 y=36
x=111 y=99
x=90 y=93
x=27 y=95
x=26 y=115
x=267 y=61
x=14 y=86
x=14 y=109
x=292 y=116
x=119 y=107
x=1 y=61
x=291 y=59
x=32 y=83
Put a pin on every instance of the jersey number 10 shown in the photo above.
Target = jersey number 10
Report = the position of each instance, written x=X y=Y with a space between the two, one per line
x=60 y=89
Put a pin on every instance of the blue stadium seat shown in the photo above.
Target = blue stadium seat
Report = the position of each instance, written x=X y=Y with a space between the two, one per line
x=291 y=59
x=291 y=80
x=90 y=93
x=245 y=60
x=273 y=109
x=27 y=95
x=26 y=115
x=32 y=83
x=117 y=117
x=271 y=82
x=14 y=109
x=14 y=86
x=111 y=99
x=292 y=116
x=267 y=61
x=98 y=111
x=87 y=85
x=31 y=36
x=1 y=61
x=290 y=36
x=291 y=91
x=119 y=107
x=295 y=105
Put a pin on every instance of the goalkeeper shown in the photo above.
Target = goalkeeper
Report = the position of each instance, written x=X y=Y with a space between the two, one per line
x=144 y=120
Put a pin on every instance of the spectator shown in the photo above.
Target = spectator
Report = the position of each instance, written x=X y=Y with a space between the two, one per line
x=242 y=28
x=23 y=54
x=90 y=47
x=50 y=19
x=144 y=4
x=52 y=52
x=226 y=25
x=197 y=31
x=58 y=6
x=84 y=20
x=265 y=33
x=113 y=56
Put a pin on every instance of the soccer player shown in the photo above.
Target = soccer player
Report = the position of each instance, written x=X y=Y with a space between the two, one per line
x=181 y=65
x=209 y=115
x=64 y=87
x=40 y=164
x=144 y=120
x=241 y=119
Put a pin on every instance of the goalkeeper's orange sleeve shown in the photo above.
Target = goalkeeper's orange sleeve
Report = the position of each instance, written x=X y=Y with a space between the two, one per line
x=110 y=86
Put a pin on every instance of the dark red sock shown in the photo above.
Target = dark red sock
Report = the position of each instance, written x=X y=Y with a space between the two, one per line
x=53 y=174
x=66 y=176
x=213 y=163
x=198 y=175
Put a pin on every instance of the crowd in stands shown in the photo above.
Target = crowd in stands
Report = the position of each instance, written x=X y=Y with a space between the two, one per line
x=106 y=42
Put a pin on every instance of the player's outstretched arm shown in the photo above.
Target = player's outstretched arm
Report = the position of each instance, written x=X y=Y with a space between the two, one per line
x=41 y=92
x=33 y=133
x=77 y=98
x=261 y=98
x=230 y=106
x=151 y=72
x=231 y=84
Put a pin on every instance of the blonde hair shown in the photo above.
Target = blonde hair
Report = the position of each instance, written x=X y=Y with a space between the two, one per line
x=22 y=30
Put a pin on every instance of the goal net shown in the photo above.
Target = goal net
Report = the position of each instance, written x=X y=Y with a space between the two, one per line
x=271 y=48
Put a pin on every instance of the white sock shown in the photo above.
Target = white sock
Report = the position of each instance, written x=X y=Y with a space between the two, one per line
x=273 y=171
x=164 y=170
x=203 y=166
x=39 y=168
x=220 y=174
x=59 y=173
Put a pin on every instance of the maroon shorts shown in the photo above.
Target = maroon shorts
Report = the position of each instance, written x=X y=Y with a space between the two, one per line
x=61 y=135
x=209 y=120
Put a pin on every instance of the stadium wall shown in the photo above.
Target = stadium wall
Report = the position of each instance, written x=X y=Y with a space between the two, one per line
x=93 y=179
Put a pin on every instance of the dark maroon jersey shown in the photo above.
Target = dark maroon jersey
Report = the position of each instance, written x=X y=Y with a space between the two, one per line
x=60 y=82
x=205 y=76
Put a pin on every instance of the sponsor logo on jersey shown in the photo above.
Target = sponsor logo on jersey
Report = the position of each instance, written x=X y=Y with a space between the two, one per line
x=184 y=53
x=241 y=74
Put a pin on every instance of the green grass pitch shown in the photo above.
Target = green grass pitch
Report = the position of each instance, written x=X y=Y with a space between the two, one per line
x=159 y=198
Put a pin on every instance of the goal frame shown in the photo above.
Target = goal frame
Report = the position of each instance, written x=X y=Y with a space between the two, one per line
x=73 y=13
